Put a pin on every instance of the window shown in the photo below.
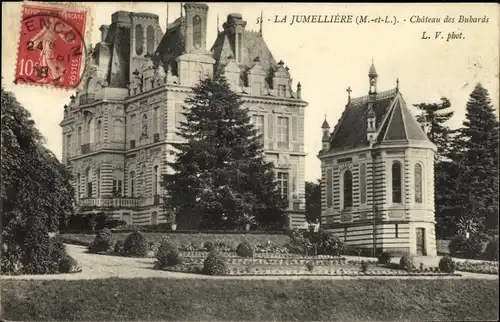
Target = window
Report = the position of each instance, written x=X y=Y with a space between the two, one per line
x=98 y=131
x=79 y=138
x=139 y=40
x=283 y=136
x=144 y=179
x=150 y=38
x=283 y=184
x=329 y=188
x=396 y=231
x=396 y=182
x=117 y=188
x=118 y=131
x=144 y=125
x=282 y=90
x=258 y=122
x=156 y=120
x=270 y=126
x=88 y=180
x=362 y=183
x=132 y=184
x=90 y=131
x=69 y=148
x=418 y=183
x=78 y=181
x=133 y=125
x=156 y=180
x=347 y=189
x=98 y=185
x=197 y=32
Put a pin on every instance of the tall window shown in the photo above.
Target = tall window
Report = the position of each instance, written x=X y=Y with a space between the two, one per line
x=362 y=183
x=139 y=40
x=396 y=183
x=197 y=32
x=156 y=180
x=78 y=182
x=258 y=122
x=132 y=184
x=69 y=147
x=156 y=120
x=283 y=184
x=150 y=39
x=329 y=188
x=133 y=127
x=118 y=131
x=117 y=188
x=90 y=131
x=283 y=137
x=98 y=184
x=418 y=183
x=88 y=178
x=79 y=138
x=347 y=189
x=98 y=131
x=282 y=90
x=144 y=131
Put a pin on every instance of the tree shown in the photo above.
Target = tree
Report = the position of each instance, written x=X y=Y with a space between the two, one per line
x=220 y=174
x=313 y=201
x=36 y=194
x=474 y=194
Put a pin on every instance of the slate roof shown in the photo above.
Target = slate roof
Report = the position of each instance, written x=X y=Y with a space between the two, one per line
x=172 y=45
x=393 y=120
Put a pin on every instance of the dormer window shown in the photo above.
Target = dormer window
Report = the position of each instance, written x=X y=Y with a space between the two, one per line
x=282 y=90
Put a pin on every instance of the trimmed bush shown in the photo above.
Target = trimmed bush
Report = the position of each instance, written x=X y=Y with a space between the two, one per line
x=214 y=264
x=462 y=247
x=244 y=250
x=447 y=265
x=67 y=264
x=136 y=245
x=310 y=266
x=491 y=252
x=384 y=258
x=168 y=254
x=103 y=241
x=209 y=246
x=406 y=263
x=327 y=243
x=118 y=247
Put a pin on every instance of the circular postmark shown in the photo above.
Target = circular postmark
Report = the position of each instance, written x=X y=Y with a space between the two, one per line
x=52 y=48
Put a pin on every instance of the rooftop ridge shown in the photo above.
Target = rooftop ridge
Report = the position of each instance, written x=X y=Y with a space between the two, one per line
x=176 y=23
x=364 y=99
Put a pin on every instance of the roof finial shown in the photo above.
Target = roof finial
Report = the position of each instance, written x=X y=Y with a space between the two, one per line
x=349 y=90
x=397 y=84
x=260 y=28
x=217 y=23
x=166 y=28
x=181 y=9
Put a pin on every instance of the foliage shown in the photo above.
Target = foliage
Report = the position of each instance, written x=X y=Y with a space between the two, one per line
x=135 y=245
x=491 y=251
x=466 y=248
x=313 y=201
x=407 y=263
x=118 y=247
x=270 y=247
x=214 y=264
x=447 y=265
x=310 y=266
x=327 y=243
x=168 y=254
x=245 y=250
x=299 y=244
x=364 y=266
x=384 y=258
x=36 y=190
x=478 y=267
x=209 y=246
x=67 y=264
x=220 y=174
x=103 y=241
x=99 y=221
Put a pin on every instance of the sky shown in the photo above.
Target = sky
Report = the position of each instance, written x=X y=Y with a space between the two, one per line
x=326 y=58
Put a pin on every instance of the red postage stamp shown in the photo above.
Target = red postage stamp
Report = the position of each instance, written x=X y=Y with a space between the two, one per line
x=52 y=48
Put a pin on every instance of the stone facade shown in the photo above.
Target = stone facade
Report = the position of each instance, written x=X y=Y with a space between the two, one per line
x=117 y=130
x=378 y=176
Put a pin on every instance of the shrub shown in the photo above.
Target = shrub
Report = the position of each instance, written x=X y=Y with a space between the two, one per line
x=168 y=254
x=406 y=263
x=67 y=264
x=209 y=246
x=491 y=252
x=299 y=244
x=214 y=264
x=118 y=247
x=364 y=266
x=136 y=245
x=327 y=243
x=447 y=265
x=470 y=248
x=384 y=258
x=310 y=266
x=244 y=250
x=103 y=241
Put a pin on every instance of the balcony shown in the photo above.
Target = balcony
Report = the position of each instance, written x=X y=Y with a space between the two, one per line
x=110 y=202
x=87 y=99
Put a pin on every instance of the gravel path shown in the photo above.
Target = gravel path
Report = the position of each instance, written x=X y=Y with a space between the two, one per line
x=104 y=266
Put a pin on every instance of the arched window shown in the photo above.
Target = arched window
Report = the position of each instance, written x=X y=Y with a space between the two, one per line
x=131 y=187
x=88 y=180
x=139 y=40
x=197 y=32
x=98 y=185
x=117 y=183
x=156 y=180
x=396 y=183
x=347 y=189
x=418 y=183
x=79 y=138
x=99 y=131
x=90 y=131
x=118 y=131
x=150 y=39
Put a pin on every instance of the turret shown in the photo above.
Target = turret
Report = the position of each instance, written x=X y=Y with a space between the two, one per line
x=372 y=75
x=371 y=126
x=326 y=135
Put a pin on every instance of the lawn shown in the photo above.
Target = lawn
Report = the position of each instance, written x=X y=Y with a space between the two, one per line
x=180 y=239
x=257 y=300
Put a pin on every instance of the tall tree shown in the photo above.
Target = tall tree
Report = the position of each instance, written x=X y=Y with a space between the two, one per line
x=313 y=201
x=35 y=190
x=221 y=179
x=475 y=155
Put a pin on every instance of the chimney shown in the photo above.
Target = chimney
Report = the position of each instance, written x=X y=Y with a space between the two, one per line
x=235 y=27
x=104 y=32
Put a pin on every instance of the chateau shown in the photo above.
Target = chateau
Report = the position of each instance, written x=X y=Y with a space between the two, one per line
x=117 y=130
x=378 y=175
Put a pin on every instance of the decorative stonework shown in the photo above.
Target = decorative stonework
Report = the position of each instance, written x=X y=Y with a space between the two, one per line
x=397 y=214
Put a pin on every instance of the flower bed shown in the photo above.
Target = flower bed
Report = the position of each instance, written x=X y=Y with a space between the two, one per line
x=272 y=261
x=228 y=254
x=477 y=267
